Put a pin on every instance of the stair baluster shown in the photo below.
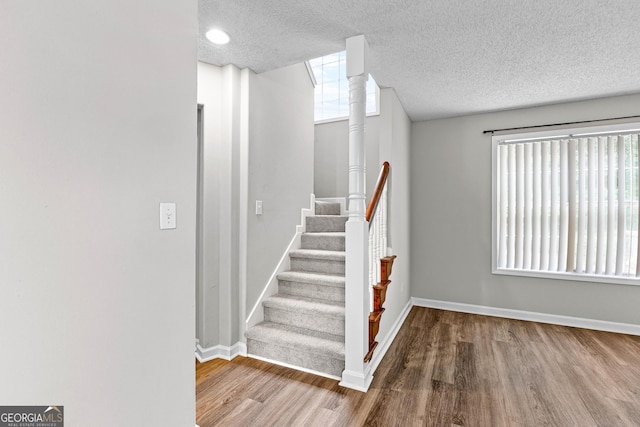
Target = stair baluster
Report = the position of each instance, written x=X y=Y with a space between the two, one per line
x=379 y=263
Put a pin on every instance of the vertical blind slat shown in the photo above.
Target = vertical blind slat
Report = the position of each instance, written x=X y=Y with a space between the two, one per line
x=621 y=206
x=519 y=205
x=563 y=231
x=611 y=214
x=546 y=205
x=592 y=210
x=503 y=195
x=528 y=206
x=581 y=245
x=511 y=259
x=628 y=205
x=554 y=232
x=573 y=206
x=537 y=202
x=636 y=163
x=601 y=251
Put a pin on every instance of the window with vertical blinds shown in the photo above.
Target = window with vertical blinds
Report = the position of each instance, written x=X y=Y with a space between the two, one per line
x=566 y=205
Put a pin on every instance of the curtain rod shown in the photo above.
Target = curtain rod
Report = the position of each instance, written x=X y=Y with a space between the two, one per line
x=560 y=124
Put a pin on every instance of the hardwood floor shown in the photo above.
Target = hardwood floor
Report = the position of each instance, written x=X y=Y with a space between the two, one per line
x=444 y=368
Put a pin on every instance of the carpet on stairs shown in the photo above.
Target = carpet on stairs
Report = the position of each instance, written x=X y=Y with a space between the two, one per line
x=304 y=322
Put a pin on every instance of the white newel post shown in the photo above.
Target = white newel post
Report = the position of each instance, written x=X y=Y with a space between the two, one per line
x=357 y=374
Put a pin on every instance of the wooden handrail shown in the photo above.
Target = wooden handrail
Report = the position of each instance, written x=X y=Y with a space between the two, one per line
x=378 y=241
x=382 y=180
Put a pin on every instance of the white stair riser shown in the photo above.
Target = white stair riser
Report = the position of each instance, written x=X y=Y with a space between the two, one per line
x=311 y=290
x=329 y=325
x=323 y=242
x=325 y=223
x=295 y=357
x=324 y=208
x=317 y=265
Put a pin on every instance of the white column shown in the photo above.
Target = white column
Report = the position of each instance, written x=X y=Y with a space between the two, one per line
x=357 y=374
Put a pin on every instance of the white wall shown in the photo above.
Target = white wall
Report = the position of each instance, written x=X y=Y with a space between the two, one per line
x=331 y=157
x=210 y=97
x=395 y=137
x=229 y=203
x=97 y=117
x=451 y=218
x=280 y=167
x=258 y=145
x=221 y=92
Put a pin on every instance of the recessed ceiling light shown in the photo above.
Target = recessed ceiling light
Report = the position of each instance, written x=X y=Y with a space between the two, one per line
x=217 y=36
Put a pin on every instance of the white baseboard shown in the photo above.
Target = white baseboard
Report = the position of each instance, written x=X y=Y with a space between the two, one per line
x=360 y=382
x=220 y=352
x=385 y=343
x=577 y=322
x=356 y=380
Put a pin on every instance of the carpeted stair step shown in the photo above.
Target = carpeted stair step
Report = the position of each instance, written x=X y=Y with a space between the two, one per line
x=327 y=208
x=325 y=223
x=312 y=285
x=297 y=346
x=317 y=261
x=328 y=241
x=307 y=313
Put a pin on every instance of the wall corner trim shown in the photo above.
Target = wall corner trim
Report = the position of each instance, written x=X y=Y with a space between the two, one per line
x=555 y=319
x=312 y=75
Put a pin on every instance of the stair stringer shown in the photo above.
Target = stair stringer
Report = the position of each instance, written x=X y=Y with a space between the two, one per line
x=256 y=315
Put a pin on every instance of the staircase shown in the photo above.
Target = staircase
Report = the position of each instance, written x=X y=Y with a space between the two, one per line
x=304 y=322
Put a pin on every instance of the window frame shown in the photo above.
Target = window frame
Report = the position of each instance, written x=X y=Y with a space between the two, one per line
x=319 y=82
x=554 y=133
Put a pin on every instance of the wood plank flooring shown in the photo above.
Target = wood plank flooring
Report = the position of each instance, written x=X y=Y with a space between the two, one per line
x=444 y=369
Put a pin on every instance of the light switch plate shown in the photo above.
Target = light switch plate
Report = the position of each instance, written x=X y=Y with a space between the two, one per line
x=258 y=207
x=167 y=216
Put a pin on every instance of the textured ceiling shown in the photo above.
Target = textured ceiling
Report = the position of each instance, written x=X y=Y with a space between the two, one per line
x=446 y=58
